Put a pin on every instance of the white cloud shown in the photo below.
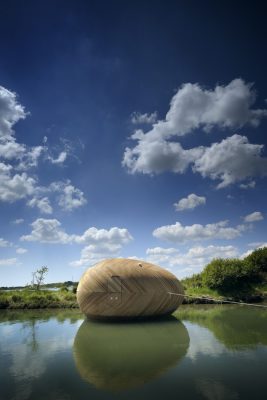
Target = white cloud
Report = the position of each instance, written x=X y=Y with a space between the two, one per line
x=189 y=262
x=110 y=238
x=253 y=217
x=14 y=187
x=99 y=243
x=21 y=250
x=70 y=197
x=194 y=107
x=31 y=157
x=138 y=118
x=18 y=221
x=178 y=233
x=249 y=185
x=10 y=149
x=10 y=112
x=43 y=204
x=157 y=156
x=47 y=231
x=232 y=160
x=190 y=202
x=102 y=244
x=15 y=184
x=4 y=243
x=8 y=261
x=60 y=159
x=92 y=254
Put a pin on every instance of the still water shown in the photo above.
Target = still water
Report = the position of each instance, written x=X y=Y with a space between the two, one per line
x=203 y=352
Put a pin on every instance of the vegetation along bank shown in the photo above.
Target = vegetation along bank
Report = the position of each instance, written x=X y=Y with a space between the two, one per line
x=222 y=279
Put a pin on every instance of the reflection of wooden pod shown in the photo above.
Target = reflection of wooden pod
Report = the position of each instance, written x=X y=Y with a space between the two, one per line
x=123 y=288
x=119 y=356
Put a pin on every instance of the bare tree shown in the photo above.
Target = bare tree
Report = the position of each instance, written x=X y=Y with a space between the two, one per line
x=38 y=277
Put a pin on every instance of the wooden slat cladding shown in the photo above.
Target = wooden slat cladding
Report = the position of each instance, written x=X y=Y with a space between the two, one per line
x=128 y=288
x=114 y=284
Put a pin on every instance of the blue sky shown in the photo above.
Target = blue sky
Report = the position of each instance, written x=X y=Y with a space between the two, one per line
x=130 y=130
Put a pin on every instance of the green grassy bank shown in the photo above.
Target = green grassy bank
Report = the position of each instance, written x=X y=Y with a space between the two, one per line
x=31 y=299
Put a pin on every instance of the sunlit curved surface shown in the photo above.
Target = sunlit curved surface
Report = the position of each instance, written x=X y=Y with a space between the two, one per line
x=126 y=288
x=119 y=356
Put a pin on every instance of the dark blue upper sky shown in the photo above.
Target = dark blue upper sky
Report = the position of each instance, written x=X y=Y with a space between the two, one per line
x=89 y=74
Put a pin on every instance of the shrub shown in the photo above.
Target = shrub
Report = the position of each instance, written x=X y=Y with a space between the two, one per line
x=16 y=298
x=64 y=289
x=257 y=261
x=226 y=274
x=69 y=296
x=194 y=281
x=4 y=303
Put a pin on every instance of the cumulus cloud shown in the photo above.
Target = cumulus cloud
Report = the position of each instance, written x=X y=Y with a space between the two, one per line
x=10 y=149
x=47 y=231
x=178 y=233
x=112 y=238
x=138 y=118
x=14 y=186
x=253 y=217
x=16 y=160
x=190 y=202
x=159 y=156
x=10 y=112
x=92 y=254
x=233 y=159
x=8 y=261
x=194 y=107
x=69 y=197
x=99 y=243
x=191 y=261
x=43 y=204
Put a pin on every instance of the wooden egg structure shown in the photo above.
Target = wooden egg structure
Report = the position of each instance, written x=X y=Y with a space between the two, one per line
x=126 y=288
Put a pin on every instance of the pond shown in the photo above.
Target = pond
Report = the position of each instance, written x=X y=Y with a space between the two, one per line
x=202 y=352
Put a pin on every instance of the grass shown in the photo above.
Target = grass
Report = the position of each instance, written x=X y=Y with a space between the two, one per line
x=31 y=299
x=246 y=293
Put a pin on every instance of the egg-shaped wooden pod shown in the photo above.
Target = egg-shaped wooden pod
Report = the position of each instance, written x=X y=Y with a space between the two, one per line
x=126 y=288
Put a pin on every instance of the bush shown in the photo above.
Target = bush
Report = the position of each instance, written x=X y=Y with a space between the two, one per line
x=69 y=296
x=64 y=289
x=226 y=274
x=194 y=281
x=257 y=261
x=16 y=298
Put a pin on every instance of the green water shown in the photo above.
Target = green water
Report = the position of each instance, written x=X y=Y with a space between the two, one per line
x=203 y=352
